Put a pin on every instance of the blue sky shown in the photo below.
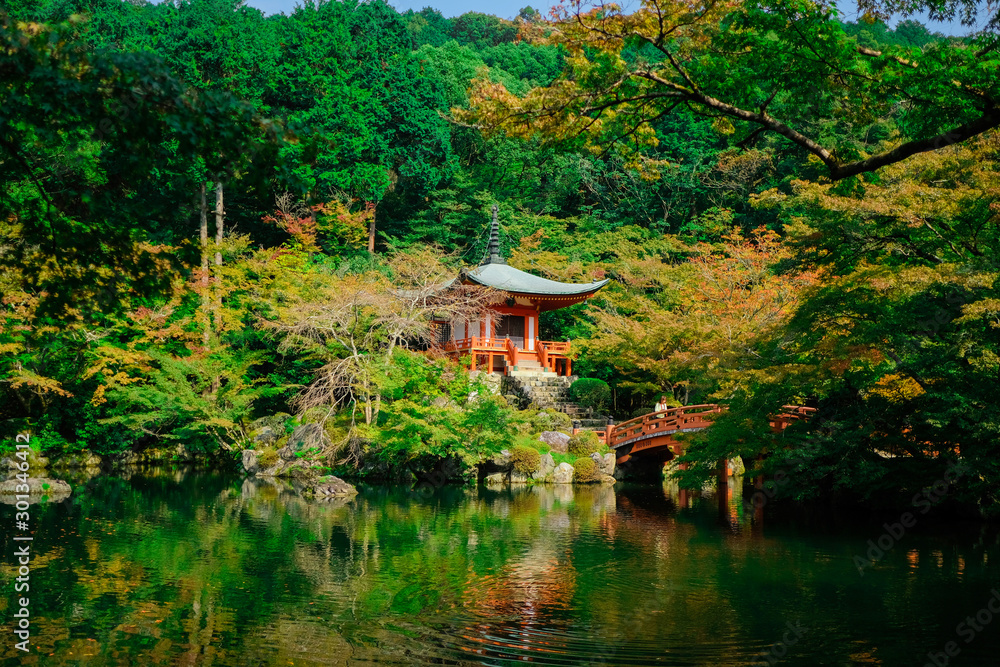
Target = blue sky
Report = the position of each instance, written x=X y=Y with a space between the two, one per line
x=503 y=8
x=509 y=8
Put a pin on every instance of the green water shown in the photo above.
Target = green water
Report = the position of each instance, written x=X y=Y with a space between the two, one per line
x=203 y=569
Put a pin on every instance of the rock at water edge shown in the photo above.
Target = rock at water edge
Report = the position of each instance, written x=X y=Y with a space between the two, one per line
x=518 y=478
x=250 y=463
x=39 y=488
x=563 y=474
x=332 y=486
x=545 y=466
x=496 y=479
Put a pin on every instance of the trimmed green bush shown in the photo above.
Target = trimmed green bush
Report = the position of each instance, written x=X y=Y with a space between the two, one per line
x=551 y=420
x=583 y=443
x=525 y=459
x=591 y=393
x=585 y=470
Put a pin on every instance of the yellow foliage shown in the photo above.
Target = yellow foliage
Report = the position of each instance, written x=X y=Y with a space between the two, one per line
x=896 y=388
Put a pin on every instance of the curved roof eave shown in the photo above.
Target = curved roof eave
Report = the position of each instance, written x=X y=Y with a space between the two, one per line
x=509 y=279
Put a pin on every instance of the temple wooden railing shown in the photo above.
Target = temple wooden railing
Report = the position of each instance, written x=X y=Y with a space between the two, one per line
x=511 y=352
x=549 y=353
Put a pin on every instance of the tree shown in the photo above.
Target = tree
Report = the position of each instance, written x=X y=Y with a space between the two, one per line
x=366 y=113
x=724 y=300
x=898 y=344
x=781 y=67
x=87 y=141
x=353 y=325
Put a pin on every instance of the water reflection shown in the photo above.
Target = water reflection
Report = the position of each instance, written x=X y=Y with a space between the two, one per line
x=169 y=566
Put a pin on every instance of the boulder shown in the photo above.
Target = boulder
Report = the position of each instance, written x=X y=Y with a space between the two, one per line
x=502 y=461
x=330 y=486
x=39 y=489
x=563 y=474
x=518 y=478
x=11 y=464
x=81 y=459
x=495 y=479
x=127 y=458
x=605 y=464
x=273 y=471
x=307 y=436
x=266 y=435
x=275 y=422
x=545 y=467
x=250 y=463
x=558 y=441
x=606 y=479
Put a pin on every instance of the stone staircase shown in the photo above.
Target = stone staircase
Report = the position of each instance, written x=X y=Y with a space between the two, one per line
x=544 y=389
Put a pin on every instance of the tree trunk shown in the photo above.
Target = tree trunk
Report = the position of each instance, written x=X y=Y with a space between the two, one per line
x=217 y=283
x=371 y=234
x=203 y=236
x=218 y=224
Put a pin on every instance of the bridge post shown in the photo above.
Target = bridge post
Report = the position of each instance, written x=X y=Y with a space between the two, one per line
x=722 y=474
x=576 y=426
x=609 y=431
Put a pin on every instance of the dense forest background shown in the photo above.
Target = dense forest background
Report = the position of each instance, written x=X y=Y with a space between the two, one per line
x=206 y=213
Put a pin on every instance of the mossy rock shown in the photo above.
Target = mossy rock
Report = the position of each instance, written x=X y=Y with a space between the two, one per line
x=275 y=421
x=267 y=458
x=585 y=471
x=583 y=443
x=525 y=459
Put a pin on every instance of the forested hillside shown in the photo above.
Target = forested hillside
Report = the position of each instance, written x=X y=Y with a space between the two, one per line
x=205 y=213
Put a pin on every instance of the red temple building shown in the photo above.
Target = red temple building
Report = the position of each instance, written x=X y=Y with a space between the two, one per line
x=510 y=340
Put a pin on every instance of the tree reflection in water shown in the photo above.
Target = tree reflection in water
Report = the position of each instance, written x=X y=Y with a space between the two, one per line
x=165 y=566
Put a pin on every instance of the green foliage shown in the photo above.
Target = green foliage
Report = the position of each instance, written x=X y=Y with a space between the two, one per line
x=197 y=400
x=591 y=393
x=550 y=419
x=118 y=129
x=412 y=431
x=583 y=443
x=585 y=470
x=738 y=275
x=525 y=459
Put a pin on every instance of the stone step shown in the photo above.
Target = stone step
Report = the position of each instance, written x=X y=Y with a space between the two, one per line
x=532 y=374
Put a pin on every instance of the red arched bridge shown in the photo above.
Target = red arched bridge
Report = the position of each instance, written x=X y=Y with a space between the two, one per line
x=651 y=437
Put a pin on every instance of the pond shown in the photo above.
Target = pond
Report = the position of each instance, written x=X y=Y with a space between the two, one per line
x=193 y=568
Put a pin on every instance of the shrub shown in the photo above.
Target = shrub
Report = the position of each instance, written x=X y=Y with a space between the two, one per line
x=585 y=470
x=525 y=459
x=583 y=443
x=591 y=393
x=551 y=420
x=267 y=458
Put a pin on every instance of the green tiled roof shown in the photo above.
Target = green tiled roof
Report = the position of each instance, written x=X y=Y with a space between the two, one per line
x=509 y=279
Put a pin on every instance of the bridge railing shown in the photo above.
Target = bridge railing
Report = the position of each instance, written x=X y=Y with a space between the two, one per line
x=672 y=419
x=790 y=414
